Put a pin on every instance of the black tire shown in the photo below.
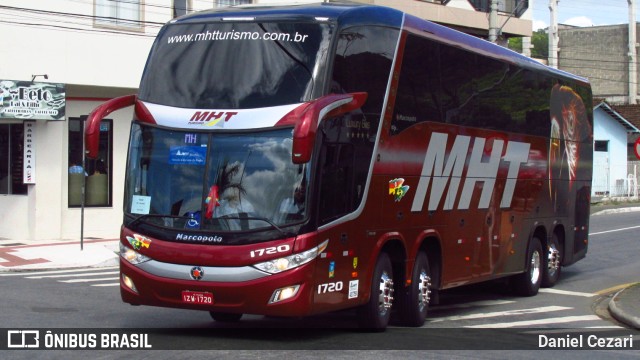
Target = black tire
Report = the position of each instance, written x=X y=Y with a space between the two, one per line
x=528 y=283
x=375 y=314
x=413 y=301
x=552 y=262
x=225 y=317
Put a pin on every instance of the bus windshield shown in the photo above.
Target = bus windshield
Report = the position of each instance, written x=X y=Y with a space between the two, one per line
x=214 y=182
x=243 y=65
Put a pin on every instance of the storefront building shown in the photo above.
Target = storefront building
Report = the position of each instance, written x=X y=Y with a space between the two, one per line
x=61 y=59
x=41 y=164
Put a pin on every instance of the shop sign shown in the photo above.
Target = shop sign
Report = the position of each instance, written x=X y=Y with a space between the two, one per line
x=29 y=155
x=28 y=100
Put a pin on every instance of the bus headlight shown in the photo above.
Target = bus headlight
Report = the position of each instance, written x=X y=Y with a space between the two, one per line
x=292 y=261
x=132 y=256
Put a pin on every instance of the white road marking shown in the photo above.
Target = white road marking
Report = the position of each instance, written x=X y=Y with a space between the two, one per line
x=110 y=284
x=558 y=320
x=614 y=230
x=471 y=304
x=73 y=275
x=88 y=280
x=604 y=327
x=565 y=292
x=31 y=273
x=502 y=313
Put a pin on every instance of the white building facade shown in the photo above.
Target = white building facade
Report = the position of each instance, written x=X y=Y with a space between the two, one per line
x=610 y=169
x=65 y=57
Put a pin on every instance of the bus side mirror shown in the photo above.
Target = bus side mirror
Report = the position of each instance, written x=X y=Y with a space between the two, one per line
x=92 y=131
x=307 y=118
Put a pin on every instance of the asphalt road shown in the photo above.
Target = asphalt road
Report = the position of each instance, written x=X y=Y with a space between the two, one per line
x=88 y=300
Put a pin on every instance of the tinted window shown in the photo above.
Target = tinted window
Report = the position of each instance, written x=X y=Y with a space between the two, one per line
x=11 y=159
x=221 y=181
x=235 y=66
x=451 y=85
x=362 y=64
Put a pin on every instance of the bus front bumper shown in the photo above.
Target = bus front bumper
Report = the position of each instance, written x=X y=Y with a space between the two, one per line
x=244 y=290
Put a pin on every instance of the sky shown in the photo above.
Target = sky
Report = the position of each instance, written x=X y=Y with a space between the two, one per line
x=584 y=12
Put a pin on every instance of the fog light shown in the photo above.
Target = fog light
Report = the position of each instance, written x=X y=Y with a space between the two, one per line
x=284 y=293
x=129 y=283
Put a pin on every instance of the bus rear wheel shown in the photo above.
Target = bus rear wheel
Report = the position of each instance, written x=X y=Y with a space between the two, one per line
x=375 y=314
x=528 y=283
x=413 y=303
x=225 y=317
x=553 y=263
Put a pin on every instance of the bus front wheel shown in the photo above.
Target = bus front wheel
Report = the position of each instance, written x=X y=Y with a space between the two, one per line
x=375 y=314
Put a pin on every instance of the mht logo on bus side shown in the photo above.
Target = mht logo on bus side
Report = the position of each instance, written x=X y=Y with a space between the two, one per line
x=439 y=174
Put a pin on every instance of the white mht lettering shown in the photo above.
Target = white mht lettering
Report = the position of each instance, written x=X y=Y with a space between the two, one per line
x=434 y=166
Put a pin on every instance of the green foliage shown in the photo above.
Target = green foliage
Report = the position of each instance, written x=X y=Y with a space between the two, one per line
x=515 y=44
x=539 y=40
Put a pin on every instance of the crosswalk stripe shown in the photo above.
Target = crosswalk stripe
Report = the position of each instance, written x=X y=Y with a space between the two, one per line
x=502 y=313
x=29 y=273
x=558 y=320
x=565 y=292
x=471 y=304
x=73 y=275
x=87 y=280
x=604 y=327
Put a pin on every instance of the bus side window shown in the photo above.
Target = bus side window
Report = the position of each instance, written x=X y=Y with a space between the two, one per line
x=419 y=97
x=363 y=63
x=336 y=177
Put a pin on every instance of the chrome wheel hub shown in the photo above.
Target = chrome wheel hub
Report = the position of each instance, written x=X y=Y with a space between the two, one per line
x=535 y=267
x=424 y=290
x=385 y=298
x=553 y=259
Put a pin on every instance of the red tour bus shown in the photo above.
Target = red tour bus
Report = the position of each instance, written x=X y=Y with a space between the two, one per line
x=302 y=159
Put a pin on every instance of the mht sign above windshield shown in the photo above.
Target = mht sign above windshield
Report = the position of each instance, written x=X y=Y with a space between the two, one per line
x=31 y=101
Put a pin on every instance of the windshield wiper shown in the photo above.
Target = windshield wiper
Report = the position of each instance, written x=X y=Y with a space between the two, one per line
x=139 y=218
x=241 y=216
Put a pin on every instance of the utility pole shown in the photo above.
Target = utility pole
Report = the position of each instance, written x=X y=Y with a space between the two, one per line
x=633 y=54
x=526 y=46
x=493 y=21
x=553 y=33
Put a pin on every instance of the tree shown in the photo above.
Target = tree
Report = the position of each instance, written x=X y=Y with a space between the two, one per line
x=539 y=40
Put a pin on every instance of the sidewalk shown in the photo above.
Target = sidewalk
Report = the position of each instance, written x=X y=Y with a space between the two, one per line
x=58 y=255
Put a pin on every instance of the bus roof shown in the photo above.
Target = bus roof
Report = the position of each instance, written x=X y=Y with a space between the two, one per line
x=347 y=14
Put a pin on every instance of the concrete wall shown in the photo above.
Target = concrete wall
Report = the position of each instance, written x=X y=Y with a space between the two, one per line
x=598 y=53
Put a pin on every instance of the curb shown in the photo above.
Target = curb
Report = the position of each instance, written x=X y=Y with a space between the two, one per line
x=621 y=315
x=617 y=211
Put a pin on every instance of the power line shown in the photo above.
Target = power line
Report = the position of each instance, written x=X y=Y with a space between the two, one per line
x=123 y=26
